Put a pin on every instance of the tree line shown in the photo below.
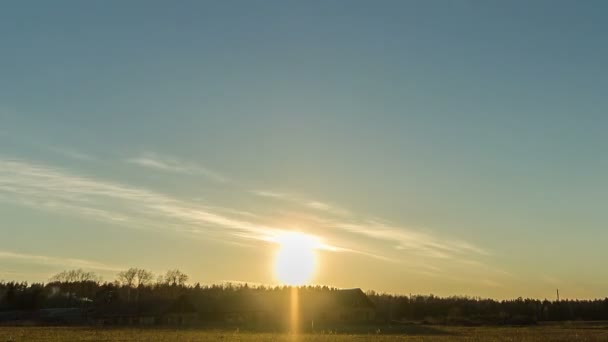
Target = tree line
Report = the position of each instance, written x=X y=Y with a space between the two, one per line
x=78 y=288
x=462 y=310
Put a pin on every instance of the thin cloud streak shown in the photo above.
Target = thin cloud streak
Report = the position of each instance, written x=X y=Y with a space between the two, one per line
x=271 y=194
x=54 y=189
x=408 y=240
x=166 y=164
x=62 y=207
x=332 y=209
x=402 y=240
x=307 y=203
x=35 y=184
x=73 y=154
x=319 y=205
x=47 y=188
x=57 y=261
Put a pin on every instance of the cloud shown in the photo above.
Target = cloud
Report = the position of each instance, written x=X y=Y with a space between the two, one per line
x=307 y=203
x=166 y=164
x=70 y=153
x=48 y=188
x=332 y=209
x=367 y=254
x=59 y=206
x=57 y=261
x=403 y=242
x=408 y=240
x=319 y=205
x=271 y=194
x=53 y=189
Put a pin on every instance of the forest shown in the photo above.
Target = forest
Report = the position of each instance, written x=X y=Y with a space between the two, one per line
x=87 y=291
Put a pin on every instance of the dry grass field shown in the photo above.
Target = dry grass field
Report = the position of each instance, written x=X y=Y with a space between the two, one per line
x=565 y=332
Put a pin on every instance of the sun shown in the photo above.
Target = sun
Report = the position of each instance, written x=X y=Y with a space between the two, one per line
x=296 y=259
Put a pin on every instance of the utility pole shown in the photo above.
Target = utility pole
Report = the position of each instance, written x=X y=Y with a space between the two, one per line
x=558 y=295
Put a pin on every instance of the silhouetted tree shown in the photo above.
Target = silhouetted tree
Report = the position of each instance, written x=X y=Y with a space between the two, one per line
x=127 y=278
x=176 y=278
x=83 y=289
x=76 y=284
x=134 y=278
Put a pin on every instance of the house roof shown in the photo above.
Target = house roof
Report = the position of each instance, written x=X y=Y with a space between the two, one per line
x=353 y=298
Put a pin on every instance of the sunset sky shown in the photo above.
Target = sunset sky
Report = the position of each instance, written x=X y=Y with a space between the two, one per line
x=446 y=147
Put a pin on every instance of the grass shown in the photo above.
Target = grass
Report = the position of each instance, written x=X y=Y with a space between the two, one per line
x=563 y=332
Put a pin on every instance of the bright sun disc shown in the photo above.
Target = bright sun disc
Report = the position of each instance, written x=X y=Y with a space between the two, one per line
x=296 y=259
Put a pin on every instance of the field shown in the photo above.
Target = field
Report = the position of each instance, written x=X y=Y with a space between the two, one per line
x=562 y=332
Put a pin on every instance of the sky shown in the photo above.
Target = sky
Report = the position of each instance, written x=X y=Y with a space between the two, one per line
x=445 y=147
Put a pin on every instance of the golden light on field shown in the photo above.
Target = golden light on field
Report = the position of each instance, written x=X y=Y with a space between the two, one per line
x=296 y=260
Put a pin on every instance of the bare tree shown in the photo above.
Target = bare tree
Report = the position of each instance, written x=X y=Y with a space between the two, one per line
x=76 y=283
x=176 y=278
x=127 y=278
x=134 y=278
x=73 y=276
x=144 y=277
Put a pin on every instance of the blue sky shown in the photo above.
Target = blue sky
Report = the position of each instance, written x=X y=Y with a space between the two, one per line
x=453 y=147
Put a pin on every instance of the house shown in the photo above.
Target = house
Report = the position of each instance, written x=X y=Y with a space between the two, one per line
x=348 y=306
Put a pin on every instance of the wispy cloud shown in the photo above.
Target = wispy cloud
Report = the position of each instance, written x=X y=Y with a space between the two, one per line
x=166 y=164
x=409 y=240
x=53 y=189
x=71 y=153
x=57 y=261
x=66 y=207
x=49 y=188
x=383 y=240
x=271 y=194
x=332 y=209
x=319 y=205
x=303 y=202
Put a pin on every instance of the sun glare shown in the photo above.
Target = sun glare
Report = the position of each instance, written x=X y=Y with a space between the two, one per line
x=296 y=259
